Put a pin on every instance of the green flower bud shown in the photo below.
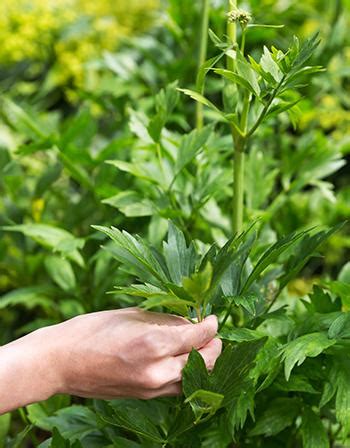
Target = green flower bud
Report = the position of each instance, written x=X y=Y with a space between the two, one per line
x=238 y=15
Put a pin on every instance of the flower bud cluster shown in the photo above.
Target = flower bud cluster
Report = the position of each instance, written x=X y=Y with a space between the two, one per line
x=239 y=15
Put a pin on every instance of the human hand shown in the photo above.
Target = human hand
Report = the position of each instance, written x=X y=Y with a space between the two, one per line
x=129 y=353
x=109 y=354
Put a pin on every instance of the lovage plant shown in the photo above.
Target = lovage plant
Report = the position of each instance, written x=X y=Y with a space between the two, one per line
x=282 y=378
x=276 y=376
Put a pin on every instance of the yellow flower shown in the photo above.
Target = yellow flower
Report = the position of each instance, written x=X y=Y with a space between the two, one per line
x=71 y=31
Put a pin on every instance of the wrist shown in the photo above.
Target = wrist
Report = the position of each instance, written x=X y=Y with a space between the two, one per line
x=27 y=370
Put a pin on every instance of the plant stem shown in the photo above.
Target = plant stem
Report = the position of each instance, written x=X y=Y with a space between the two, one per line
x=202 y=56
x=232 y=34
x=238 y=190
x=238 y=141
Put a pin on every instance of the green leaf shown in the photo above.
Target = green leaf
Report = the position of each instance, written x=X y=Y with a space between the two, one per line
x=342 y=399
x=5 y=421
x=74 y=422
x=30 y=298
x=270 y=256
x=203 y=70
x=121 y=442
x=340 y=327
x=247 y=302
x=131 y=204
x=21 y=120
x=179 y=258
x=341 y=290
x=230 y=375
x=199 y=284
x=328 y=393
x=156 y=297
x=240 y=334
x=59 y=240
x=243 y=406
x=204 y=403
x=267 y=364
x=165 y=101
x=270 y=67
x=306 y=50
x=235 y=78
x=134 y=253
x=280 y=414
x=131 y=419
x=305 y=249
x=61 y=272
x=313 y=432
x=344 y=275
x=308 y=345
x=201 y=99
x=76 y=170
x=190 y=146
x=247 y=72
x=136 y=170
x=296 y=383
x=58 y=441
x=194 y=375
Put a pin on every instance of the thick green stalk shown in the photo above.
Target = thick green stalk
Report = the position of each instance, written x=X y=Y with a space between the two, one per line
x=202 y=56
x=238 y=189
x=238 y=142
x=232 y=34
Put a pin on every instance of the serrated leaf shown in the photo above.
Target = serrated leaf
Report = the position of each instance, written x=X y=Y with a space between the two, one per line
x=236 y=79
x=156 y=297
x=179 y=258
x=204 y=403
x=231 y=371
x=270 y=66
x=313 y=432
x=240 y=334
x=296 y=383
x=244 y=405
x=246 y=71
x=247 y=302
x=342 y=400
x=340 y=327
x=305 y=249
x=198 y=285
x=279 y=415
x=269 y=257
x=190 y=146
x=134 y=253
x=194 y=375
x=308 y=345
x=306 y=50
x=165 y=101
x=131 y=419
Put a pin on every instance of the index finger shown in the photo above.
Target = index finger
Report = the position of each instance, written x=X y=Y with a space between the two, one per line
x=188 y=336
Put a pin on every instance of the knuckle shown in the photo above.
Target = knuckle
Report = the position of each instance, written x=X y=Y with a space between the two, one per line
x=145 y=395
x=155 y=343
x=152 y=379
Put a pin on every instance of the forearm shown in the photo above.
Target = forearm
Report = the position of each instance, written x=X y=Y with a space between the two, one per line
x=26 y=371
